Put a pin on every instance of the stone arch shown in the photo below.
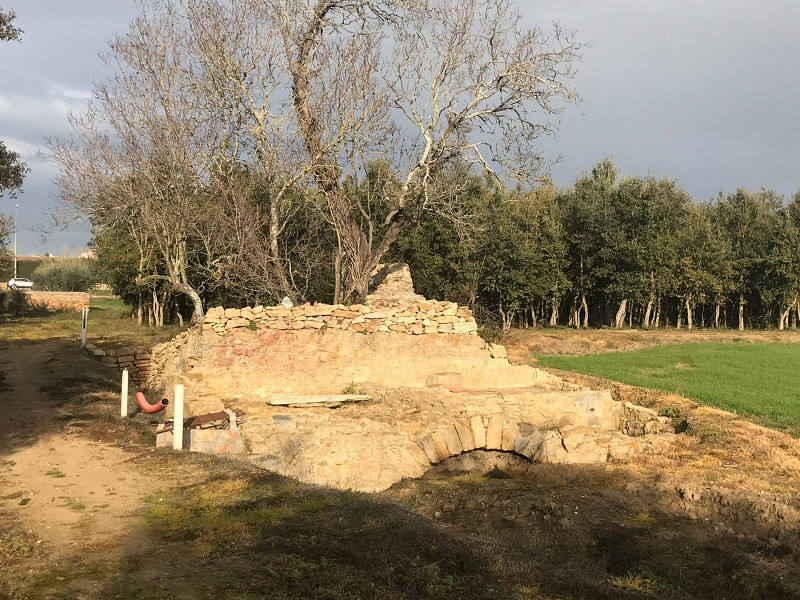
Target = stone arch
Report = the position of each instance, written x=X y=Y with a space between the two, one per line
x=567 y=444
x=493 y=432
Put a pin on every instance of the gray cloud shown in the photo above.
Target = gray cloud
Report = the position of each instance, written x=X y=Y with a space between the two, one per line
x=706 y=91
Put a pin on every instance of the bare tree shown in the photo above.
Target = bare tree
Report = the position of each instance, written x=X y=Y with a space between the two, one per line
x=460 y=81
x=226 y=122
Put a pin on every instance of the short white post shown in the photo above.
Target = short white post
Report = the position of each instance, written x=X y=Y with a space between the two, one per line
x=177 y=419
x=84 y=326
x=123 y=400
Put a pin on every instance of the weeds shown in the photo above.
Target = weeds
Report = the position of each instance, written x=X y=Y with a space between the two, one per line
x=73 y=504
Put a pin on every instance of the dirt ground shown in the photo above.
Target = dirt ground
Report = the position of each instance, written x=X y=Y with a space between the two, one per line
x=90 y=509
x=521 y=343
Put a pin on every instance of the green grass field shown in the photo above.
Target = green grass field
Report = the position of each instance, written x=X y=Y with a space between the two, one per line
x=761 y=381
x=110 y=325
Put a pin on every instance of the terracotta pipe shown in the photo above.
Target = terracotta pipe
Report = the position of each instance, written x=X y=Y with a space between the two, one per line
x=150 y=408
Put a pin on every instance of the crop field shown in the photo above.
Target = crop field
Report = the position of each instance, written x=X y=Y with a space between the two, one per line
x=756 y=380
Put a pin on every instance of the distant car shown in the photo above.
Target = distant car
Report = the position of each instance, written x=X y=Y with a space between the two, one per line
x=16 y=283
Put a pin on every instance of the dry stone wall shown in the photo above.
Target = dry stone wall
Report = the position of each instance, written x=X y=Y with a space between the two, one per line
x=414 y=318
x=57 y=301
x=136 y=361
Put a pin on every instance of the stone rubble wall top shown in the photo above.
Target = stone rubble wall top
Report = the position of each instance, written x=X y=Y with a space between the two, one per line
x=414 y=318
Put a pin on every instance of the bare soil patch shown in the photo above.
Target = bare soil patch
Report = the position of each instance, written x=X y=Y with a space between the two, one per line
x=524 y=344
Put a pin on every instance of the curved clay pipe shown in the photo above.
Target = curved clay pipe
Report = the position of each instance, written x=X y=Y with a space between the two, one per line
x=150 y=408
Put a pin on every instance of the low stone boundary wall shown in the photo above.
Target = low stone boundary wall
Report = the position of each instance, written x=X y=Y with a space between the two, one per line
x=57 y=301
x=416 y=318
x=136 y=361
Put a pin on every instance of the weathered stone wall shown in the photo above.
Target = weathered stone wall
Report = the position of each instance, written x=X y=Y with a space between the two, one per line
x=262 y=363
x=136 y=361
x=57 y=301
x=414 y=318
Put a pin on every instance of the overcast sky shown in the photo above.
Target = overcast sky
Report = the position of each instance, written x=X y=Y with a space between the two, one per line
x=708 y=92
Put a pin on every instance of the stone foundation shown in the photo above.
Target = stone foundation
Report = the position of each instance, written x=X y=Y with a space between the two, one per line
x=402 y=433
x=424 y=388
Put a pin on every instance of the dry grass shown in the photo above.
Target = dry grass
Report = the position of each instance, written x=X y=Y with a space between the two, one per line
x=524 y=343
x=109 y=325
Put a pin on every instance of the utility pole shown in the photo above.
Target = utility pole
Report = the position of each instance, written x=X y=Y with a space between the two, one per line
x=16 y=206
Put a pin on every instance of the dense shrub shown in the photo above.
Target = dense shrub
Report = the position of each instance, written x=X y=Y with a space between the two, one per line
x=15 y=302
x=65 y=275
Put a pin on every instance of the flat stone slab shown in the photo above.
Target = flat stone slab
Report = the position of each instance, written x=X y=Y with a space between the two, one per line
x=316 y=399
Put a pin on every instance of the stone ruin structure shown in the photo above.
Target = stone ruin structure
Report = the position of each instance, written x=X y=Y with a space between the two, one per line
x=362 y=396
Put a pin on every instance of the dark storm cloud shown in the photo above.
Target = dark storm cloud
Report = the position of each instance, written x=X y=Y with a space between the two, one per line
x=706 y=91
x=50 y=72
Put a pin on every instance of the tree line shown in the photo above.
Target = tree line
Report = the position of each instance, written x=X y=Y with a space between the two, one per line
x=619 y=252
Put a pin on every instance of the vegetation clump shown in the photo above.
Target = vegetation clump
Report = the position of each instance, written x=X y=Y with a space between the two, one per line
x=65 y=275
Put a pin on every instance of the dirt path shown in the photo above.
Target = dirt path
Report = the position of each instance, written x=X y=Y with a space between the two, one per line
x=65 y=490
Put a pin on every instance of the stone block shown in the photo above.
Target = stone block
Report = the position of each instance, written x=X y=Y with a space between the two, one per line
x=379 y=314
x=451 y=308
x=440 y=445
x=552 y=449
x=419 y=454
x=497 y=351
x=478 y=431
x=494 y=433
x=430 y=449
x=510 y=434
x=447 y=319
x=452 y=440
x=465 y=435
x=464 y=327
x=320 y=310
x=237 y=322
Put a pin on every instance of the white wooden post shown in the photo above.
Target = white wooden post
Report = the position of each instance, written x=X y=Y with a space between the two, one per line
x=84 y=326
x=123 y=401
x=177 y=419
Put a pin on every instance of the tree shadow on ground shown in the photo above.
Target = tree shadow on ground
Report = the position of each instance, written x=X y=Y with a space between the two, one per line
x=244 y=533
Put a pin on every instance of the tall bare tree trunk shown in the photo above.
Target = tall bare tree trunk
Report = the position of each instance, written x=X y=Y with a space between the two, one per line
x=274 y=248
x=554 y=314
x=648 y=310
x=741 y=312
x=585 y=307
x=784 y=317
x=688 y=314
x=619 y=321
x=657 y=318
x=716 y=315
x=337 y=274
